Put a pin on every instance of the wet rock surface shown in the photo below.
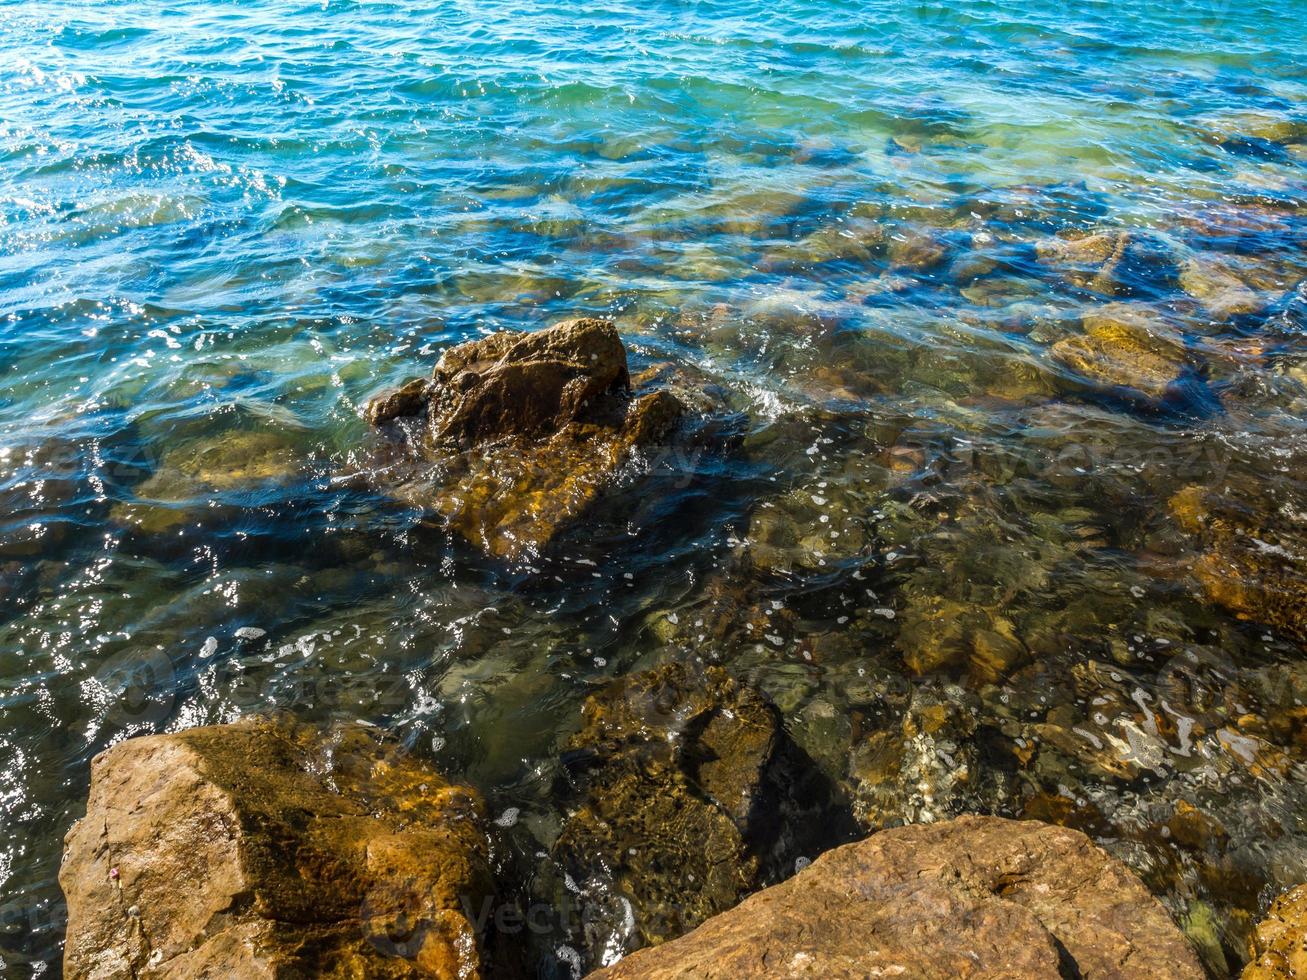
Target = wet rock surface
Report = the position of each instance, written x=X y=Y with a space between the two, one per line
x=1278 y=950
x=525 y=430
x=976 y=896
x=692 y=797
x=270 y=849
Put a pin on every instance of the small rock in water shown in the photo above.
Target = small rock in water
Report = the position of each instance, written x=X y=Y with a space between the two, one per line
x=525 y=430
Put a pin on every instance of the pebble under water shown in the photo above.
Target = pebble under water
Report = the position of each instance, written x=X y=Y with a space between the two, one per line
x=1002 y=499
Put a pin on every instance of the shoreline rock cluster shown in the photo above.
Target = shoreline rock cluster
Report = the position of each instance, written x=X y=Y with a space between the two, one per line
x=272 y=848
x=267 y=849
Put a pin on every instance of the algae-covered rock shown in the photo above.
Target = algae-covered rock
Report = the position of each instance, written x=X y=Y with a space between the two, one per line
x=1123 y=350
x=1229 y=128
x=938 y=633
x=692 y=796
x=806 y=529
x=524 y=430
x=1253 y=560
x=971 y=897
x=262 y=849
x=1278 y=950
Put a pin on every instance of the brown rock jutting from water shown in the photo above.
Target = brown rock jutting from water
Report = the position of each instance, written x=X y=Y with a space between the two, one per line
x=272 y=850
x=1279 y=945
x=524 y=430
x=971 y=897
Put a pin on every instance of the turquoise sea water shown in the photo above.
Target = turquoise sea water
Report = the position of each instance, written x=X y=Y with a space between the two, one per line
x=224 y=225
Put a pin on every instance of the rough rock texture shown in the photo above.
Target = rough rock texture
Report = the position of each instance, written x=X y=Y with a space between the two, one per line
x=971 y=897
x=1254 y=559
x=693 y=795
x=525 y=430
x=1278 y=950
x=270 y=850
x=1121 y=350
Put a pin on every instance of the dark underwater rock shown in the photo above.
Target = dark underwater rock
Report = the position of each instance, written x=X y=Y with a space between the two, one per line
x=1253 y=560
x=270 y=850
x=971 y=897
x=692 y=796
x=523 y=431
x=40 y=483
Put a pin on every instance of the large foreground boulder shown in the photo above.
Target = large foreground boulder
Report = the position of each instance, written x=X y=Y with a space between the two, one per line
x=971 y=897
x=271 y=850
x=524 y=430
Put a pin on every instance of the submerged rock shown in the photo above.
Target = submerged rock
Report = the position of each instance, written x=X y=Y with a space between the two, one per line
x=1224 y=295
x=693 y=796
x=188 y=476
x=1123 y=350
x=39 y=484
x=939 y=633
x=522 y=431
x=925 y=764
x=1111 y=262
x=975 y=896
x=916 y=248
x=856 y=240
x=1254 y=559
x=268 y=850
x=1278 y=950
x=1233 y=128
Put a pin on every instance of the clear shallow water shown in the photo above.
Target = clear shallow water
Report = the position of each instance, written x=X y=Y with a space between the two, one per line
x=224 y=226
